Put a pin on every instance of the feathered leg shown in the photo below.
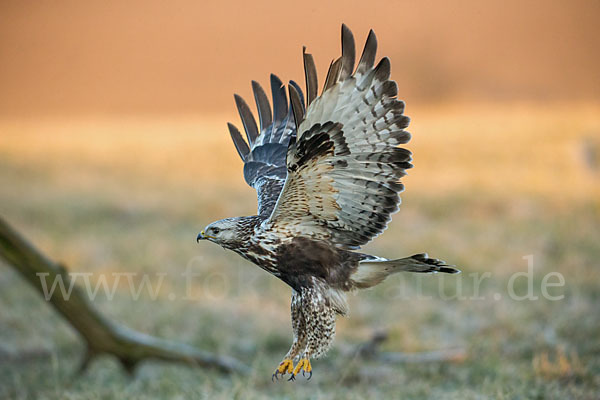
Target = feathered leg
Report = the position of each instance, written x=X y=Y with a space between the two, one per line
x=319 y=324
x=299 y=341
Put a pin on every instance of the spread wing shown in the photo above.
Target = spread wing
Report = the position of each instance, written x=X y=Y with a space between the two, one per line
x=344 y=166
x=264 y=153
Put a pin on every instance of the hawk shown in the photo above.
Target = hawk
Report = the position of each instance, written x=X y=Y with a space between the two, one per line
x=327 y=172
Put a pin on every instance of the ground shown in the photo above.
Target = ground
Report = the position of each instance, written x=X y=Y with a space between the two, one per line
x=492 y=187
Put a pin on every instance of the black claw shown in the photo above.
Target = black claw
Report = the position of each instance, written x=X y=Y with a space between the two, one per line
x=275 y=376
x=292 y=378
x=309 y=376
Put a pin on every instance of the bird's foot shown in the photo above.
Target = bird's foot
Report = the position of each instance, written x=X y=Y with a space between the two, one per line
x=304 y=366
x=285 y=367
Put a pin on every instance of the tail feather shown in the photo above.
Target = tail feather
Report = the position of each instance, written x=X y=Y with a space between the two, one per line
x=371 y=272
x=424 y=264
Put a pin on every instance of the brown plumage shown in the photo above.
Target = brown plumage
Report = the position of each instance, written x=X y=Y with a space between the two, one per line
x=327 y=174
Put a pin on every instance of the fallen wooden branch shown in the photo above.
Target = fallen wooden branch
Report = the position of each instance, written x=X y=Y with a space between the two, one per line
x=101 y=335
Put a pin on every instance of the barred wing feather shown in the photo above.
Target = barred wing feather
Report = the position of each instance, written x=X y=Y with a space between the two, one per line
x=344 y=165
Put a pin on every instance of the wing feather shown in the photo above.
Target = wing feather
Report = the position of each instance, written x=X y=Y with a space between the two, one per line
x=348 y=53
x=262 y=105
x=247 y=119
x=310 y=75
x=265 y=152
x=344 y=168
x=279 y=100
x=240 y=145
x=296 y=105
x=367 y=59
x=332 y=74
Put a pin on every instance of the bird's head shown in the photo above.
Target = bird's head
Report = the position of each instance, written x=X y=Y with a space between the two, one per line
x=219 y=231
x=228 y=232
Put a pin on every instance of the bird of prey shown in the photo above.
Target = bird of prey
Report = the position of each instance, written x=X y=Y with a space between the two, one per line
x=327 y=172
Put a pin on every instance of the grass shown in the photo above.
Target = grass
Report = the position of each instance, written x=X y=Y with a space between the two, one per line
x=491 y=185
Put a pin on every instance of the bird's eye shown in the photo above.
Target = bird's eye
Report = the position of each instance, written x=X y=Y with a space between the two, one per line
x=215 y=230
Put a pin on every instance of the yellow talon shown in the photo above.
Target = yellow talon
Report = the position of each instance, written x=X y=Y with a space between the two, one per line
x=285 y=367
x=304 y=366
x=307 y=366
x=299 y=366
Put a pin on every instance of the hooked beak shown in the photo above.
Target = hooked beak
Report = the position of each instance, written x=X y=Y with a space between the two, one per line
x=203 y=236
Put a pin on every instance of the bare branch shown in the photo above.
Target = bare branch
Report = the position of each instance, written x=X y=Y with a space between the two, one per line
x=101 y=335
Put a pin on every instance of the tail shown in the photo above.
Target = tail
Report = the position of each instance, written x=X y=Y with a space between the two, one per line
x=371 y=272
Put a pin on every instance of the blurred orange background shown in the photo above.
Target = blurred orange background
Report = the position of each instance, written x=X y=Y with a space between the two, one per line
x=149 y=56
